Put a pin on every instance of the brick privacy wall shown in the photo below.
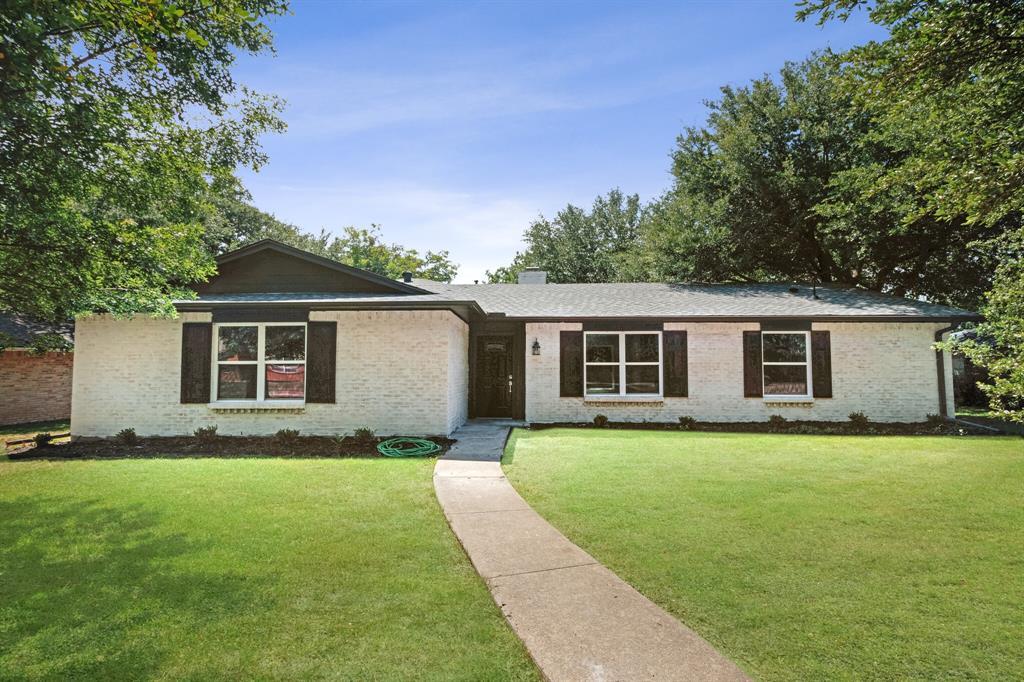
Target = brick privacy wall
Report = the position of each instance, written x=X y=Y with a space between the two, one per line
x=393 y=374
x=34 y=388
x=458 y=373
x=885 y=370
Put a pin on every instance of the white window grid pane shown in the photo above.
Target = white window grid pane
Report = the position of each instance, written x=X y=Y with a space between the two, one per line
x=261 y=362
x=806 y=364
x=622 y=364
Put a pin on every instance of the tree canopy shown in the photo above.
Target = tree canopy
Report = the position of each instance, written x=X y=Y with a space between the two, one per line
x=580 y=245
x=116 y=117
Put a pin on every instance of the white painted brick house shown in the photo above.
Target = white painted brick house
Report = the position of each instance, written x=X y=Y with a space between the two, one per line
x=284 y=339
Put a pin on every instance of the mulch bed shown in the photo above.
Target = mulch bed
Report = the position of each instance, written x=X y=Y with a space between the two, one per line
x=791 y=427
x=221 y=446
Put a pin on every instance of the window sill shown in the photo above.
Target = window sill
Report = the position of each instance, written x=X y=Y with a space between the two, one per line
x=623 y=399
x=789 y=401
x=238 y=406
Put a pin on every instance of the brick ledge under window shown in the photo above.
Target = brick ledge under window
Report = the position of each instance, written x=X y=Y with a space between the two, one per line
x=623 y=400
x=242 y=408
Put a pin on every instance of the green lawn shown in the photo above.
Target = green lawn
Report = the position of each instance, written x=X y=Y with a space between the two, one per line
x=239 y=569
x=804 y=557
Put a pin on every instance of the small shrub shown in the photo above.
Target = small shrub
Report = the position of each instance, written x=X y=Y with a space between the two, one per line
x=776 y=422
x=287 y=436
x=935 y=420
x=206 y=434
x=363 y=435
x=859 y=421
x=600 y=421
x=42 y=439
x=127 y=437
x=687 y=422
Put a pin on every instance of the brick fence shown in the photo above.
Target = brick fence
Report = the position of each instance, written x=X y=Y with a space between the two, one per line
x=34 y=388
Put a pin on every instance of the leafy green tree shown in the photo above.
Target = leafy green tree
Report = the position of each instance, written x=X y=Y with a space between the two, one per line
x=949 y=85
x=580 y=245
x=780 y=184
x=115 y=117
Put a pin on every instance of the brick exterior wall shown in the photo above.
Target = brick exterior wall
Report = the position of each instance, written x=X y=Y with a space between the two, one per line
x=885 y=370
x=34 y=388
x=398 y=372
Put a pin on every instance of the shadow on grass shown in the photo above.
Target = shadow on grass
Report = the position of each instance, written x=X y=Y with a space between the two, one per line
x=92 y=590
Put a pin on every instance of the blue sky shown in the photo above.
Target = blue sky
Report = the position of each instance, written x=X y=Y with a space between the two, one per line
x=453 y=124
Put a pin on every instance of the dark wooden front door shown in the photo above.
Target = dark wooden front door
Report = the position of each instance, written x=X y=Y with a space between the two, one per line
x=494 y=376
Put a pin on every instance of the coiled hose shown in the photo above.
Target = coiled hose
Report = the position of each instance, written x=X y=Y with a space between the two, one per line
x=408 y=447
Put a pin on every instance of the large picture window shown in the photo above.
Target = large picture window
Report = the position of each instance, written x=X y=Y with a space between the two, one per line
x=622 y=363
x=787 y=369
x=260 y=362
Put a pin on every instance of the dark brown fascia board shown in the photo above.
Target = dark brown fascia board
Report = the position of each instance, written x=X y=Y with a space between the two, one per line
x=280 y=247
x=750 y=318
x=465 y=310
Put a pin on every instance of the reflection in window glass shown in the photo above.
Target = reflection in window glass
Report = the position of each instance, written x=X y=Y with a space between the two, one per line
x=785 y=347
x=785 y=379
x=285 y=343
x=641 y=348
x=602 y=347
x=285 y=382
x=602 y=379
x=237 y=343
x=642 y=378
x=236 y=382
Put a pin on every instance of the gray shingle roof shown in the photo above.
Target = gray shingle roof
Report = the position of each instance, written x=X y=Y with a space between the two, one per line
x=560 y=301
x=23 y=329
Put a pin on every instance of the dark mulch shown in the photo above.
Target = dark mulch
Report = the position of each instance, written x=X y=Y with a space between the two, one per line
x=792 y=427
x=221 y=446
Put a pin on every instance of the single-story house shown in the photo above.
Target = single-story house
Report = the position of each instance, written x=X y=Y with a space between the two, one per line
x=281 y=338
x=34 y=386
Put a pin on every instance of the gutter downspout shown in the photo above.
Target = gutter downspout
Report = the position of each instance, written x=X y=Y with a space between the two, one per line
x=940 y=369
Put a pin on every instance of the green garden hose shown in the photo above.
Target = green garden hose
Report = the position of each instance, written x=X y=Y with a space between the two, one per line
x=408 y=447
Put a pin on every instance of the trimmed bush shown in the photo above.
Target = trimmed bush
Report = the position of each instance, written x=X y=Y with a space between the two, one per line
x=363 y=435
x=287 y=436
x=42 y=439
x=206 y=434
x=600 y=421
x=776 y=422
x=687 y=422
x=127 y=437
x=859 y=421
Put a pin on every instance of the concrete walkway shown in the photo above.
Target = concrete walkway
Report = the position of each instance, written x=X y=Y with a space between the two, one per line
x=579 y=620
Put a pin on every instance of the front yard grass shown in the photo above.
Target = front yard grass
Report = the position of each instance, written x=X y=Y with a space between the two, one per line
x=239 y=569
x=804 y=557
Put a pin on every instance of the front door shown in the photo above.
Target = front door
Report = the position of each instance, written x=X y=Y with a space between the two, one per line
x=494 y=376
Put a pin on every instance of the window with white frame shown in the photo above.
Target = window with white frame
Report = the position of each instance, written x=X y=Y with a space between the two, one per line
x=786 y=363
x=260 y=362
x=622 y=363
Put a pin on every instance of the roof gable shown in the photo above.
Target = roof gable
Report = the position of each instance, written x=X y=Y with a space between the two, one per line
x=268 y=266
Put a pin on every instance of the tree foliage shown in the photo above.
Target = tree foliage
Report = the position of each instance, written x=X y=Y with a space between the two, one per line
x=234 y=222
x=582 y=246
x=781 y=184
x=949 y=83
x=116 y=116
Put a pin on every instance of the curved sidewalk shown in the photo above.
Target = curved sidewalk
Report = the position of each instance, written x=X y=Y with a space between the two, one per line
x=579 y=620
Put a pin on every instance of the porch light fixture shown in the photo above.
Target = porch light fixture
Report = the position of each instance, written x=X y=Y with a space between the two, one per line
x=536 y=347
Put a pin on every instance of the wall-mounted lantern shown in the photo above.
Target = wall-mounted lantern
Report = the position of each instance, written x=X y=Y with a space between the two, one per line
x=536 y=347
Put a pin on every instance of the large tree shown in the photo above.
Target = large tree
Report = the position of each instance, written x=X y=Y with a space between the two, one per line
x=116 y=117
x=780 y=184
x=949 y=83
x=582 y=246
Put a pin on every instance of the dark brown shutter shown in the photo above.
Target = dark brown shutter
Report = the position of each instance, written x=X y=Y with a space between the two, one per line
x=321 y=358
x=674 y=363
x=570 y=354
x=196 y=346
x=821 y=364
x=753 y=385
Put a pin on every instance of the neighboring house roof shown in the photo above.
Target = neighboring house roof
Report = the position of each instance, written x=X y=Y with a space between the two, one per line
x=23 y=329
x=569 y=301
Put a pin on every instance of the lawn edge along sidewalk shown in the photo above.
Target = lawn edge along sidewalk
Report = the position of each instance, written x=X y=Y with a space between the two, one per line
x=578 y=620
